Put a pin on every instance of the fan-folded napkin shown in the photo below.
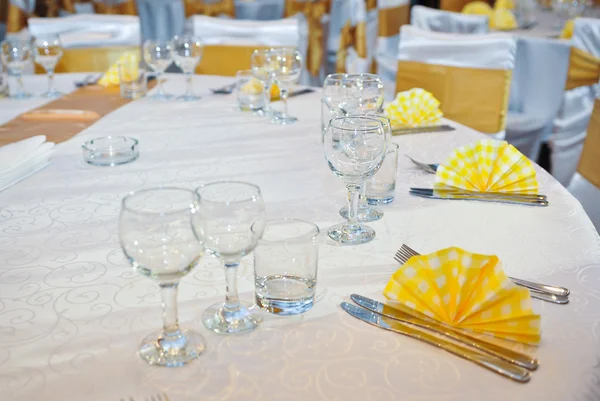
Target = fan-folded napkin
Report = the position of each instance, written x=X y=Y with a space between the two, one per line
x=414 y=108
x=21 y=159
x=111 y=77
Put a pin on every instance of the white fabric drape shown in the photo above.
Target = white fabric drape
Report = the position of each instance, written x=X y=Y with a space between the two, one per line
x=161 y=19
x=265 y=10
x=447 y=21
x=342 y=12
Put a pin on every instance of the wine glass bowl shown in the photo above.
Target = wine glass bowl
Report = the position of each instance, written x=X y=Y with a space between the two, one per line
x=15 y=54
x=159 y=56
x=47 y=52
x=259 y=65
x=285 y=67
x=187 y=53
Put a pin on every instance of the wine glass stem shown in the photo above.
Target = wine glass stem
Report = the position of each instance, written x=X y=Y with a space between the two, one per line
x=284 y=97
x=159 y=79
x=50 y=80
x=20 y=88
x=168 y=293
x=268 y=95
x=189 y=87
x=362 y=197
x=353 y=194
x=232 y=300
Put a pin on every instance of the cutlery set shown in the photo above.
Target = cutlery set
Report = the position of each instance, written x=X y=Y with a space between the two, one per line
x=228 y=89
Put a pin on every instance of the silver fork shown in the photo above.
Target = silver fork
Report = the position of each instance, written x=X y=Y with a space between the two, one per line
x=549 y=293
x=430 y=168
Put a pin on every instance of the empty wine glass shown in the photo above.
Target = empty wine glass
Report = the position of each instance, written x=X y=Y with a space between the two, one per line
x=156 y=234
x=367 y=212
x=355 y=147
x=47 y=51
x=158 y=55
x=285 y=65
x=259 y=62
x=224 y=224
x=187 y=53
x=15 y=54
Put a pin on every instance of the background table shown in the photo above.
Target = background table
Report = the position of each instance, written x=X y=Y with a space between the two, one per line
x=72 y=311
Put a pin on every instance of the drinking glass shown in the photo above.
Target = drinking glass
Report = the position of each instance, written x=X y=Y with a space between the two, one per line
x=355 y=147
x=286 y=66
x=159 y=56
x=250 y=92
x=156 y=234
x=228 y=211
x=367 y=211
x=133 y=80
x=47 y=51
x=285 y=266
x=15 y=54
x=382 y=187
x=349 y=94
x=259 y=62
x=187 y=52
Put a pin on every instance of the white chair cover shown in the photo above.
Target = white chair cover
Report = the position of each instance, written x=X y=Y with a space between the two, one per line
x=92 y=30
x=494 y=51
x=161 y=19
x=447 y=21
x=572 y=119
x=343 y=11
x=537 y=86
x=588 y=195
x=264 y=10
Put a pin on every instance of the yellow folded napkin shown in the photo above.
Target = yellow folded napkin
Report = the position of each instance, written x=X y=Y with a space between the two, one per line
x=467 y=291
x=487 y=166
x=503 y=19
x=254 y=86
x=477 y=8
x=414 y=108
x=567 y=32
x=111 y=77
x=504 y=4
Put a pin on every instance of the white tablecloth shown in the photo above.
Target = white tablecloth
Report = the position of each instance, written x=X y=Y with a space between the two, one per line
x=72 y=311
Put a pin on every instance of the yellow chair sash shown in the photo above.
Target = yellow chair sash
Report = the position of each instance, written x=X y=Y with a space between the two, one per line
x=355 y=36
x=193 y=7
x=391 y=19
x=226 y=60
x=124 y=8
x=371 y=5
x=475 y=97
x=584 y=69
x=95 y=59
x=589 y=163
x=16 y=19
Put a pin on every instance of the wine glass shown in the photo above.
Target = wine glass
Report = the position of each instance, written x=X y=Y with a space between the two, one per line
x=259 y=63
x=156 y=234
x=367 y=212
x=47 y=51
x=15 y=54
x=355 y=147
x=187 y=53
x=224 y=224
x=158 y=55
x=285 y=66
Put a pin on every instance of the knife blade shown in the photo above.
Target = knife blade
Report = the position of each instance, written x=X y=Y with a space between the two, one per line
x=489 y=362
x=406 y=315
x=442 y=192
x=301 y=92
x=512 y=201
x=420 y=130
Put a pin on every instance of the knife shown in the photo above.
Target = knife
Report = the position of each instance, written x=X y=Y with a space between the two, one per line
x=457 y=192
x=495 y=199
x=490 y=362
x=419 y=130
x=406 y=315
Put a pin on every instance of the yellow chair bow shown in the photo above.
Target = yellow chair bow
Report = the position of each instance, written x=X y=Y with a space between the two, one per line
x=215 y=9
x=589 y=163
x=16 y=18
x=126 y=7
x=584 y=69
x=354 y=36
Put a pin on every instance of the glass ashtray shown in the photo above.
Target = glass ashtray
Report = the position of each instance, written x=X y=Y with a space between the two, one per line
x=110 y=150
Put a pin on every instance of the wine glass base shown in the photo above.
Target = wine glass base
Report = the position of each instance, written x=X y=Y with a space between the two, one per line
x=161 y=96
x=52 y=94
x=343 y=234
x=189 y=98
x=21 y=96
x=157 y=350
x=283 y=120
x=266 y=112
x=221 y=322
x=365 y=213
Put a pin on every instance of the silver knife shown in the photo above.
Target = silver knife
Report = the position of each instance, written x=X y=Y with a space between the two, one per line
x=413 y=317
x=457 y=192
x=490 y=362
x=513 y=201
x=419 y=130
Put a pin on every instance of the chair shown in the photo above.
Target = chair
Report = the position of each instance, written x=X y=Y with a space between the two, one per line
x=229 y=43
x=347 y=40
x=447 y=21
x=566 y=140
x=210 y=8
x=92 y=43
x=469 y=74
x=585 y=185
x=161 y=19
x=259 y=10
x=116 y=7
x=536 y=92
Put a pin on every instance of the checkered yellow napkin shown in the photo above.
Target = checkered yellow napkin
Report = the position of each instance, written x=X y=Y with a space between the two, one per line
x=504 y=4
x=468 y=291
x=487 y=166
x=503 y=19
x=414 y=108
x=477 y=8
x=111 y=77
x=567 y=32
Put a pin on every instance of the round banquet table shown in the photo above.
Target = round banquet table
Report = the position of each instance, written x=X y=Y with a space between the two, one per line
x=72 y=311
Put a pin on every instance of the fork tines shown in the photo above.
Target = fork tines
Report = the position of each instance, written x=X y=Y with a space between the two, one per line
x=404 y=253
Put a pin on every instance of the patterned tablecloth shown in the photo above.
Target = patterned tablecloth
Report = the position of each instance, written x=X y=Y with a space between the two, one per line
x=72 y=311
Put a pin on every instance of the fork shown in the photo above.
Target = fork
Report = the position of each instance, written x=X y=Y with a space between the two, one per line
x=430 y=168
x=544 y=292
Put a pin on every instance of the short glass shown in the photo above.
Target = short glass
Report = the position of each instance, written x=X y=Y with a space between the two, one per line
x=285 y=266
x=250 y=92
x=133 y=80
x=381 y=188
x=110 y=151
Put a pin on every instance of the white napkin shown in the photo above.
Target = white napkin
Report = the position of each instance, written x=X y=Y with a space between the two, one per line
x=21 y=159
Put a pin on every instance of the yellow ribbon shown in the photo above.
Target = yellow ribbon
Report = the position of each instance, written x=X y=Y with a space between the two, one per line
x=226 y=60
x=589 y=163
x=354 y=36
x=371 y=5
x=391 y=19
x=125 y=8
x=16 y=19
x=193 y=7
x=475 y=97
x=584 y=69
x=97 y=59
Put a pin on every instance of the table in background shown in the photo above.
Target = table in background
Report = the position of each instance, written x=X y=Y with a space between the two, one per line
x=72 y=311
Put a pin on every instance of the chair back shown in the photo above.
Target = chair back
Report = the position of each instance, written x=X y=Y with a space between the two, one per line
x=447 y=21
x=259 y=10
x=469 y=74
x=161 y=19
x=347 y=39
